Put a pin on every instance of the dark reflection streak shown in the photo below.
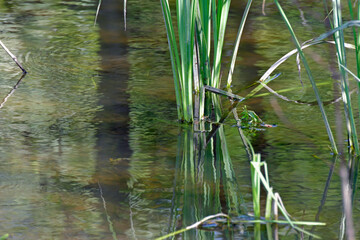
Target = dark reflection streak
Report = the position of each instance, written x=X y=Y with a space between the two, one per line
x=347 y=206
x=323 y=200
x=172 y=224
x=112 y=132
x=12 y=91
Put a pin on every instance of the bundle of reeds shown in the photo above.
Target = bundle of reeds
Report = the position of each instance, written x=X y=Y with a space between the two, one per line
x=201 y=27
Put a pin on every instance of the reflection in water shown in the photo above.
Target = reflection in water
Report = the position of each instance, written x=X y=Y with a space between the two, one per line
x=112 y=144
x=12 y=91
x=205 y=183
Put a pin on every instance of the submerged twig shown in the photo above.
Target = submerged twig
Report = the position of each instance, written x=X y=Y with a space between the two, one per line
x=13 y=57
x=263 y=7
x=97 y=11
x=12 y=91
x=125 y=15
x=195 y=225
x=111 y=227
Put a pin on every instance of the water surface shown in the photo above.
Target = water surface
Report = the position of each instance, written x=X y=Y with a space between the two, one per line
x=90 y=147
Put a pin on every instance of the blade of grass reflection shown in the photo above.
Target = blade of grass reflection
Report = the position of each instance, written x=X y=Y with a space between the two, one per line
x=12 y=91
x=269 y=231
x=257 y=231
x=325 y=192
x=108 y=218
x=201 y=179
x=208 y=177
x=175 y=197
x=228 y=173
x=189 y=176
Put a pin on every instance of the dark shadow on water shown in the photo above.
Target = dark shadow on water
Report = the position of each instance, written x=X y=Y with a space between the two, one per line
x=113 y=149
x=113 y=129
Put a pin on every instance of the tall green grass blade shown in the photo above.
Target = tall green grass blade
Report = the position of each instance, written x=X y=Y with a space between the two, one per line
x=255 y=184
x=354 y=30
x=203 y=31
x=175 y=59
x=317 y=94
x=220 y=20
x=237 y=43
x=256 y=167
x=203 y=24
x=216 y=38
x=350 y=72
x=186 y=26
x=357 y=45
x=340 y=42
x=268 y=207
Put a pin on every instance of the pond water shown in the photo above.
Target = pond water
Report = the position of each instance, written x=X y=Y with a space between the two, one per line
x=90 y=147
